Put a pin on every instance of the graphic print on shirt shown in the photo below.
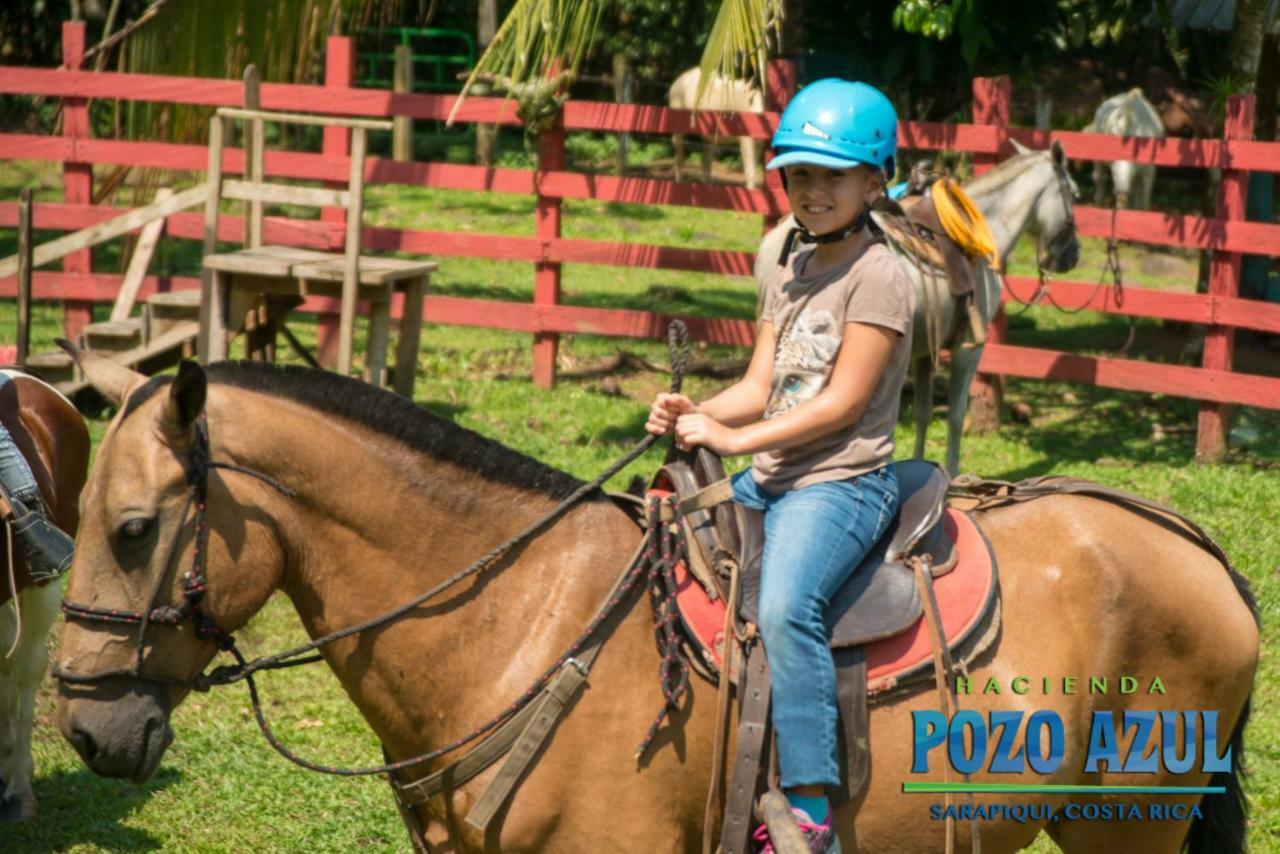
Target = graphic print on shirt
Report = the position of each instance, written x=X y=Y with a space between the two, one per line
x=800 y=367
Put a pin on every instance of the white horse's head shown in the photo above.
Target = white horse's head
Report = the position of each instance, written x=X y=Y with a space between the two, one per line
x=1053 y=218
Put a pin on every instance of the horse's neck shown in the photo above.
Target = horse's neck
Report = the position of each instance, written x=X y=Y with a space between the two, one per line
x=1008 y=207
x=375 y=524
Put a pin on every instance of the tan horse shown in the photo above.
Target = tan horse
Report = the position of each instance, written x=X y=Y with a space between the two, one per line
x=391 y=499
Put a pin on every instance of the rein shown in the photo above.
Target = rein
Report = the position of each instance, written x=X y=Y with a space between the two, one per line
x=655 y=562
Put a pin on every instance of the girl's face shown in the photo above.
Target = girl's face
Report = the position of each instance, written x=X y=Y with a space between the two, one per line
x=826 y=199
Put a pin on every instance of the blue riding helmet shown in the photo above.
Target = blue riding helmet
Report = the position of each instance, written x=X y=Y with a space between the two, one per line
x=837 y=123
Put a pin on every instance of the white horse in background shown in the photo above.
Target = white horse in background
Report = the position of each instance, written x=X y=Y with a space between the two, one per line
x=1032 y=188
x=1130 y=114
x=725 y=95
x=20 y=675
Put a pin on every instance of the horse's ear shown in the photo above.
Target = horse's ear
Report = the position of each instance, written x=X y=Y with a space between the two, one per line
x=1019 y=147
x=1059 y=156
x=112 y=380
x=186 y=400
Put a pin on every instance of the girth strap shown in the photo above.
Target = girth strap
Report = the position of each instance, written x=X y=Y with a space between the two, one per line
x=547 y=711
x=523 y=736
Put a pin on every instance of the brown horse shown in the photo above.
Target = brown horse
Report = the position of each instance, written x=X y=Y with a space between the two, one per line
x=388 y=500
x=52 y=436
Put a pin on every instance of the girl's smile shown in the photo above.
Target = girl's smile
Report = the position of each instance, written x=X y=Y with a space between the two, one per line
x=826 y=199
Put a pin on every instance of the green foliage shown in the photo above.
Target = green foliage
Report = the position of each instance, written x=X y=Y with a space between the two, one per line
x=537 y=51
x=659 y=37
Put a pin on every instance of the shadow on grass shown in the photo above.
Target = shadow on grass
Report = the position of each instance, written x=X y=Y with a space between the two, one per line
x=1115 y=428
x=80 y=808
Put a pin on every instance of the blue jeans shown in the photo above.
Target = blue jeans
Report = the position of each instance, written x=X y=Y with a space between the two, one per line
x=814 y=538
x=14 y=470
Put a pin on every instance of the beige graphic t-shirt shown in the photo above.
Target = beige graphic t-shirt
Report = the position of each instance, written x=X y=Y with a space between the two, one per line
x=809 y=315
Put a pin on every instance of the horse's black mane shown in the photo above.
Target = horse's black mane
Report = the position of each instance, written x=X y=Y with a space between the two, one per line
x=384 y=413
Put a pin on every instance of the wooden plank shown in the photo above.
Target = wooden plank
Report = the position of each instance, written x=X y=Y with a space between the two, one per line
x=1150 y=227
x=402 y=133
x=23 y=146
x=77 y=176
x=24 y=277
x=138 y=263
x=282 y=194
x=373 y=270
x=1132 y=375
x=213 y=321
x=619 y=118
x=1166 y=229
x=546 y=273
x=265 y=263
x=180 y=335
x=1008 y=360
x=115 y=227
x=303 y=118
x=351 y=273
x=254 y=144
x=1224 y=281
x=410 y=337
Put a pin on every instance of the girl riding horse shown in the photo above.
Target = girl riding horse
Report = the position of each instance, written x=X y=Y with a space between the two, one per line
x=817 y=409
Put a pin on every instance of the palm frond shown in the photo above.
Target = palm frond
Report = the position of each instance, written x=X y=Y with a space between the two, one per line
x=536 y=54
x=737 y=47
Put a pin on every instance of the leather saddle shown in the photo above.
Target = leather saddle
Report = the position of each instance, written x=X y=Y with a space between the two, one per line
x=915 y=228
x=879 y=600
x=876 y=622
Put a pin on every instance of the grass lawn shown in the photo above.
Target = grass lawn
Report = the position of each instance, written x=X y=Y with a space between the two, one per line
x=221 y=788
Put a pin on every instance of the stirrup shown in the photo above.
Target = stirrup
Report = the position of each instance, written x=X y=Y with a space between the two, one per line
x=48 y=549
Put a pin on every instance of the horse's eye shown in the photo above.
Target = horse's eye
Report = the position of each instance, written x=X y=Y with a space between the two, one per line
x=135 y=529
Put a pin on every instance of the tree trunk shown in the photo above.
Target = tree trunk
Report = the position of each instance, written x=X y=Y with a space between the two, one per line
x=486 y=27
x=1247 y=33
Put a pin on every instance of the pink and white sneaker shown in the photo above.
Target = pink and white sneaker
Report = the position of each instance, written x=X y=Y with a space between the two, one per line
x=821 y=838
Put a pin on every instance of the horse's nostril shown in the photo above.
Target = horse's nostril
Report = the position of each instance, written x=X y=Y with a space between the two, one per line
x=84 y=744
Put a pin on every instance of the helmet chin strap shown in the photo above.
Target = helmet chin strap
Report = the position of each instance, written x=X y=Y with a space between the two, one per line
x=804 y=235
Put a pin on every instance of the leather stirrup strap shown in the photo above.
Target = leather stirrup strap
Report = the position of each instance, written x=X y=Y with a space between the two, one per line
x=752 y=729
x=851 y=694
x=943 y=667
x=724 y=692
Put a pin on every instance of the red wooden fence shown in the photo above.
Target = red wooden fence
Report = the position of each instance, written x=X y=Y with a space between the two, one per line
x=987 y=138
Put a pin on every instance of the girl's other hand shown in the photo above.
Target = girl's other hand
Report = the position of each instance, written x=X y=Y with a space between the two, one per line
x=665 y=410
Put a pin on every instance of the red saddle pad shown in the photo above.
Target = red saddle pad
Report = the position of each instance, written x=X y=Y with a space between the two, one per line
x=965 y=594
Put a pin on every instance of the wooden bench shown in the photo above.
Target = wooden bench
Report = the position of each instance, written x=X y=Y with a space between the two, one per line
x=252 y=290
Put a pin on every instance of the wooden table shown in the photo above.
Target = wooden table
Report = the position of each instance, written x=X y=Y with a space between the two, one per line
x=253 y=290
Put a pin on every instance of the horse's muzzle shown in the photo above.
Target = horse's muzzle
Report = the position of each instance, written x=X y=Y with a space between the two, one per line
x=1060 y=259
x=119 y=730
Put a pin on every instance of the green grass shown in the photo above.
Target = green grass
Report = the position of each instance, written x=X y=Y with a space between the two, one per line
x=221 y=788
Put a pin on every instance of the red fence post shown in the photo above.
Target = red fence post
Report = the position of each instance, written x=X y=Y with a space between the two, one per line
x=991 y=97
x=546 y=276
x=77 y=177
x=339 y=72
x=1224 y=281
x=781 y=81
